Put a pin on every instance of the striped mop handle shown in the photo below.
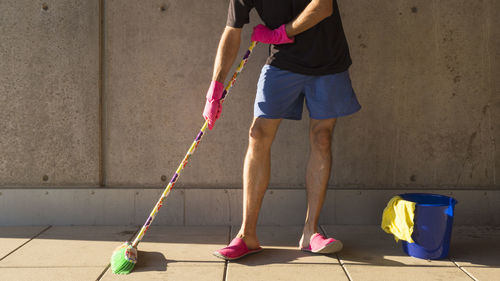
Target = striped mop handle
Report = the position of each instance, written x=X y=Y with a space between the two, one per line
x=191 y=150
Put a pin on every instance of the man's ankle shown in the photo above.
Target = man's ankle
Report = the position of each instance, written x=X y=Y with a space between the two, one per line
x=309 y=230
x=246 y=235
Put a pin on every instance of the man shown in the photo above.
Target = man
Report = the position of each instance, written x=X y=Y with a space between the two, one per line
x=309 y=60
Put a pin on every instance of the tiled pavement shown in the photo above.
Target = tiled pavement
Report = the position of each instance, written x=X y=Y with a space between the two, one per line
x=184 y=253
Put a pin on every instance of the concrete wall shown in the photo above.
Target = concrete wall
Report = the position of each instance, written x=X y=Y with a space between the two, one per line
x=425 y=73
x=117 y=206
x=49 y=98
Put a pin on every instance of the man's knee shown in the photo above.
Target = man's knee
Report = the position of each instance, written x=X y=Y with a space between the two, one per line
x=259 y=133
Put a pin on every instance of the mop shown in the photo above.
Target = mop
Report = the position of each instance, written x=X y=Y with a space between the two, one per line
x=124 y=257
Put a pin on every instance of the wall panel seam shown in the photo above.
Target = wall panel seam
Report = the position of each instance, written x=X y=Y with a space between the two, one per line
x=102 y=111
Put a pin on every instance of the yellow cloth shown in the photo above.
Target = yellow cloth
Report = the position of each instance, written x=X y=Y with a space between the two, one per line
x=398 y=218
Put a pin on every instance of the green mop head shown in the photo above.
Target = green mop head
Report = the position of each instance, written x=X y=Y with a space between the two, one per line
x=124 y=259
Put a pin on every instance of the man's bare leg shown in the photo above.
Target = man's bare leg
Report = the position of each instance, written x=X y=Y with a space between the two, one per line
x=256 y=173
x=318 y=174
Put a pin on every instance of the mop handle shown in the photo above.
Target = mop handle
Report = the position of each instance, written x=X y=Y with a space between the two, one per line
x=191 y=150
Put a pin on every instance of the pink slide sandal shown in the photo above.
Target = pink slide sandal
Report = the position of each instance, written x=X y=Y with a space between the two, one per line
x=235 y=250
x=321 y=245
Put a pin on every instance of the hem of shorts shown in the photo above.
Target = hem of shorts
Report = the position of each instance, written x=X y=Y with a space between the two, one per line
x=336 y=116
x=278 y=117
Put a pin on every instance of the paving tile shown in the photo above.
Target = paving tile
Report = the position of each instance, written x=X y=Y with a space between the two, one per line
x=282 y=259
x=475 y=246
x=370 y=253
x=50 y=273
x=12 y=237
x=484 y=273
x=186 y=243
x=405 y=272
x=477 y=250
x=178 y=253
x=179 y=271
x=286 y=272
x=65 y=251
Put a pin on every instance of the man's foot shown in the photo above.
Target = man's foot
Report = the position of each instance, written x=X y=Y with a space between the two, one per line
x=305 y=239
x=236 y=250
x=320 y=245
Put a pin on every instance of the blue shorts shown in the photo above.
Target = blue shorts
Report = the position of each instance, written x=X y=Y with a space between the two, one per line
x=281 y=94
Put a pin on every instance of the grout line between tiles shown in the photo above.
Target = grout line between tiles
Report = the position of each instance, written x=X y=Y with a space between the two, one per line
x=35 y=236
x=464 y=270
x=224 y=276
x=344 y=267
x=103 y=272
x=341 y=262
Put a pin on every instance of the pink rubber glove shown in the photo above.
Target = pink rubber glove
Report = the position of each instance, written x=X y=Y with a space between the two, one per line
x=265 y=35
x=213 y=106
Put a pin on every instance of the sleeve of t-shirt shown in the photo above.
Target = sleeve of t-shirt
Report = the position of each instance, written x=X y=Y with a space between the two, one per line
x=238 y=13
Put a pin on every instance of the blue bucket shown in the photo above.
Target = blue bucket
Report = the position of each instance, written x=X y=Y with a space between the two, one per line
x=432 y=225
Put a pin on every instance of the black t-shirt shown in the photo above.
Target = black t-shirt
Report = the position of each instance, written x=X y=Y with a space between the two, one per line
x=319 y=50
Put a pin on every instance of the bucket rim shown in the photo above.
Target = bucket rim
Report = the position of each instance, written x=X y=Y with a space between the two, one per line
x=452 y=202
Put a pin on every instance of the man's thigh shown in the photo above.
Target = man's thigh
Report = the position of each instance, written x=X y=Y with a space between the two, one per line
x=331 y=96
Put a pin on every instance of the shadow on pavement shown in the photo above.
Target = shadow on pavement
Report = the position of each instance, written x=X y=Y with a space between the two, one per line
x=150 y=261
x=282 y=256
